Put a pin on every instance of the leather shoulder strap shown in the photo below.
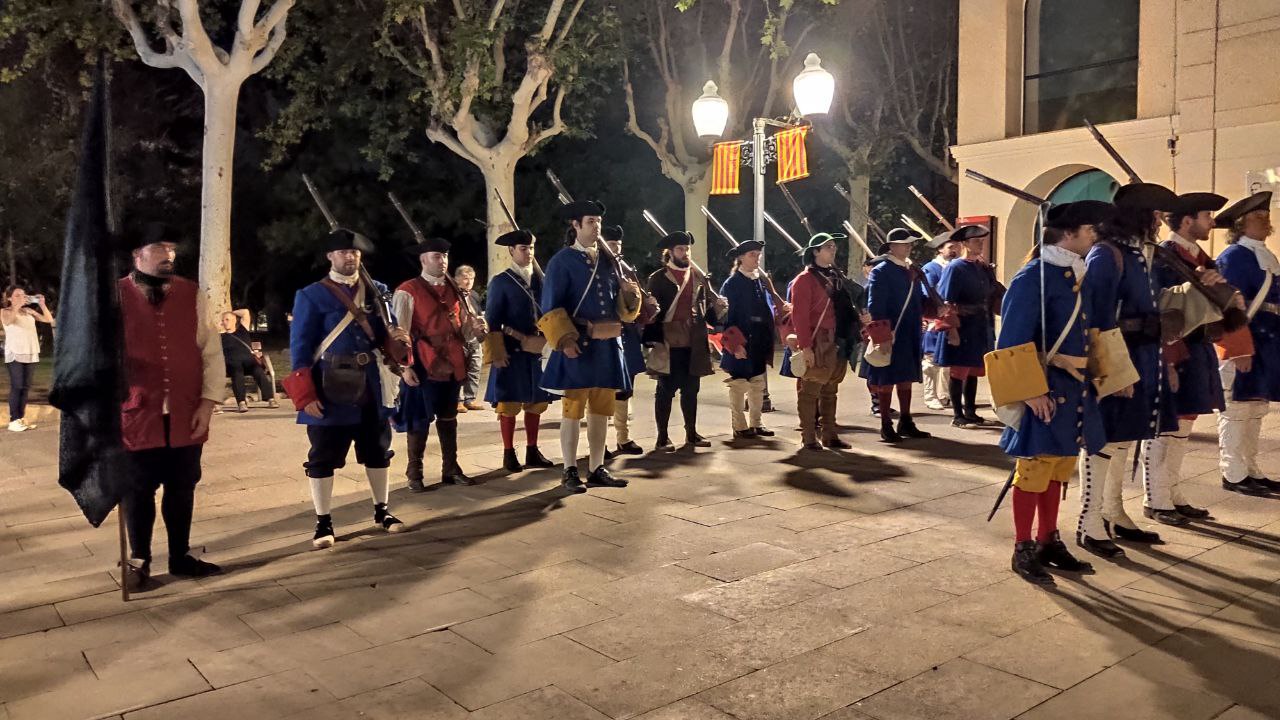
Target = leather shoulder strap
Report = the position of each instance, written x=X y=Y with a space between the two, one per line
x=357 y=313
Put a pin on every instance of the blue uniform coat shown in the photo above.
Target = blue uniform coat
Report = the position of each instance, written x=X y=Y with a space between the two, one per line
x=1200 y=385
x=1076 y=422
x=887 y=290
x=933 y=339
x=512 y=304
x=967 y=284
x=1239 y=266
x=573 y=283
x=751 y=311
x=315 y=312
x=1118 y=292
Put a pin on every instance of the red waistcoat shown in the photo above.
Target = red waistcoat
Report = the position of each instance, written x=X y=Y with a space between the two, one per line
x=160 y=358
x=434 y=329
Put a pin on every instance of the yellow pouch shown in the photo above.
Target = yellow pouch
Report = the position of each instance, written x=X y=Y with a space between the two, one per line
x=1110 y=364
x=1015 y=374
x=556 y=326
x=495 y=348
x=629 y=301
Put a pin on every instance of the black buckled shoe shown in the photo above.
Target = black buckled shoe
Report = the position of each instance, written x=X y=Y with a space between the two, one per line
x=977 y=420
x=510 y=462
x=763 y=431
x=630 y=448
x=136 y=575
x=1136 y=535
x=1054 y=553
x=889 y=435
x=748 y=434
x=1192 y=512
x=1268 y=483
x=571 y=482
x=385 y=520
x=455 y=476
x=1027 y=565
x=692 y=438
x=907 y=429
x=533 y=458
x=187 y=566
x=962 y=423
x=664 y=444
x=324 y=533
x=601 y=477
x=1104 y=548
x=1247 y=486
x=1166 y=517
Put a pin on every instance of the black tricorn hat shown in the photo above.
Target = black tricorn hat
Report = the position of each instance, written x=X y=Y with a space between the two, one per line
x=743 y=247
x=1256 y=201
x=679 y=237
x=941 y=239
x=1069 y=216
x=344 y=239
x=611 y=233
x=1196 y=202
x=1146 y=196
x=964 y=233
x=434 y=244
x=579 y=209
x=513 y=238
x=152 y=233
x=902 y=235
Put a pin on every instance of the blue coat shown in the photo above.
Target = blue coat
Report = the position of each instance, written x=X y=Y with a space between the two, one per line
x=573 y=283
x=887 y=289
x=751 y=311
x=967 y=284
x=1076 y=423
x=1240 y=267
x=1200 y=385
x=315 y=312
x=512 y=304
x=933 y=339
x=632 y=349
x=1124 y=294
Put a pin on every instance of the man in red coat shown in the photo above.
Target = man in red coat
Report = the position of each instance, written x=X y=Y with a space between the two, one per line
x=174 y=375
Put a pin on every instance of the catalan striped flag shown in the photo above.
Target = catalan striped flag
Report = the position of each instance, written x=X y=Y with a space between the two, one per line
x=793 y=161
x=726 y=166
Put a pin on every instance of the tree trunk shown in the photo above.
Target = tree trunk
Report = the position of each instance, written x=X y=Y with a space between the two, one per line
x=695 y=196
x=502 y=178
x=859 y=193
x=220 y=99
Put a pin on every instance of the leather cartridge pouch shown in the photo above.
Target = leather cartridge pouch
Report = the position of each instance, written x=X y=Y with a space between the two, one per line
x=604 y=329
x=343 y=377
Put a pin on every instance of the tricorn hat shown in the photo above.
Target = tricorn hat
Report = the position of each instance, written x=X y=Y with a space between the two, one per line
x=344 y=239
x=1256 y=201
x=1069 y=216
x=579 y=209
x=744 y=247
x=679 y=237
x=902 y=235
x=434 y=244
x=1197 y=202
x=152 y=232
x=1146 y=196
x=515 y=237
x=611 y=233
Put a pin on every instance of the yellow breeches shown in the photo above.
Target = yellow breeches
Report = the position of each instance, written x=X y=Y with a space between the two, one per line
x=1035 y=474
x=597 y=401
x=512 y=409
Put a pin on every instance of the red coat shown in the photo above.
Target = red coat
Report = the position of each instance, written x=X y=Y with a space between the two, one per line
x=161 y=361
x=434 y=327
x=808 y=298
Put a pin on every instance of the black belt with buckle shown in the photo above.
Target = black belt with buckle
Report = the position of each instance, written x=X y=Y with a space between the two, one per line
x=1273 y=308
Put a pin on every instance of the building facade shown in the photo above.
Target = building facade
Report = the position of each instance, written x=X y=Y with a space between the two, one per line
x=1186 y=90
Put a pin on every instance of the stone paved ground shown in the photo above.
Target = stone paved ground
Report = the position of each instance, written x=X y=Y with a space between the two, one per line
x=746 y=581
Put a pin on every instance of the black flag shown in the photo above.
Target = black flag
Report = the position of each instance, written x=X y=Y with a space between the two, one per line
x=87 y=365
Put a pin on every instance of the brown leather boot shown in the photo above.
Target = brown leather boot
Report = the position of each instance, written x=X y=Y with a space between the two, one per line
x=807 y=409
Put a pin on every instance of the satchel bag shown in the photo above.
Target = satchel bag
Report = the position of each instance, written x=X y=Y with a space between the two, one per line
x=799 y=366
x=879 y=353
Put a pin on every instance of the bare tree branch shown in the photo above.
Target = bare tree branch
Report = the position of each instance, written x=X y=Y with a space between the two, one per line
x=568 y=25
x=264 y=58
x=549 y=22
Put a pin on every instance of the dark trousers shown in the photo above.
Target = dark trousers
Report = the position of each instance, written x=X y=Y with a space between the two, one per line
x=177 y=470
x=237 y=373
x=471 y=386
x=444 y=407
x=330 y=443
x=19 y=387
x=682 y=381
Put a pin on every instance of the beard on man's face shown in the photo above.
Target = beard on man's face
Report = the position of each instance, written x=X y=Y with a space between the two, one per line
x=682 y=262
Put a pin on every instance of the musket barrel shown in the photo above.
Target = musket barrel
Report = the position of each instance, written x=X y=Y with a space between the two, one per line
x=324 y=209
x=795 y=207
x=1004 y=188
x=848 y=226
x=723 y=230
x=781 y=231
x=404 y=214
x=1111 y=150
x=929 y=206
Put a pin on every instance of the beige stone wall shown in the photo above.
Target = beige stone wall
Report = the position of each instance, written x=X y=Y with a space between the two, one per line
x=1207 y=85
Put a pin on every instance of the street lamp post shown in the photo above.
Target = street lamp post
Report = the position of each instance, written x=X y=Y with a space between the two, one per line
x=812 y=90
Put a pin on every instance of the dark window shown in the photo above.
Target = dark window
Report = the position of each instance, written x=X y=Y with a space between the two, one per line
x=1081 y=61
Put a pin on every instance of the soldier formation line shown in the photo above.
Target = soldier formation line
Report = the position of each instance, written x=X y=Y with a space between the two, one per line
x=1111 y=344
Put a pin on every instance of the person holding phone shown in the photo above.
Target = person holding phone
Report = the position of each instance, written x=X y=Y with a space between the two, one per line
x=244 y=356
x=19 y=316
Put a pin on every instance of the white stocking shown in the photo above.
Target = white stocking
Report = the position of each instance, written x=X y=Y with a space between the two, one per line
x=377 y=484
x=597 y=427
x=322 y=494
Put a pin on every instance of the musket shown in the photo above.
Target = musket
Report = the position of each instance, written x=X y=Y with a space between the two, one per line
x=880 y=233
x=928 y=205
x=1115 y=155
x=515 y=226
x=848 y=227
x=914 y=225
x=706 y=279
x=785 y=235
x=417 y=235
x=623 y=268
x=384 y=299
x=777 y=298
x=1008 y=483
x=1005 y=188
x=795 y=207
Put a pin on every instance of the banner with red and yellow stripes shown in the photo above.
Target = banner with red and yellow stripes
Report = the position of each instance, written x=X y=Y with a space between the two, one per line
x=793 y=161
x=726 y=166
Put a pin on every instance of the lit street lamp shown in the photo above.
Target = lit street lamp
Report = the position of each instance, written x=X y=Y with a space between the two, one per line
x=812 y=90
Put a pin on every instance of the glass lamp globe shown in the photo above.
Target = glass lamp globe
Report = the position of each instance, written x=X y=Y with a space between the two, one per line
x=710 y=112
x=814 y=88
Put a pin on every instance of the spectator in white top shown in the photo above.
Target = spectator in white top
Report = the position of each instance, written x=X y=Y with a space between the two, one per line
x=21 y=348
